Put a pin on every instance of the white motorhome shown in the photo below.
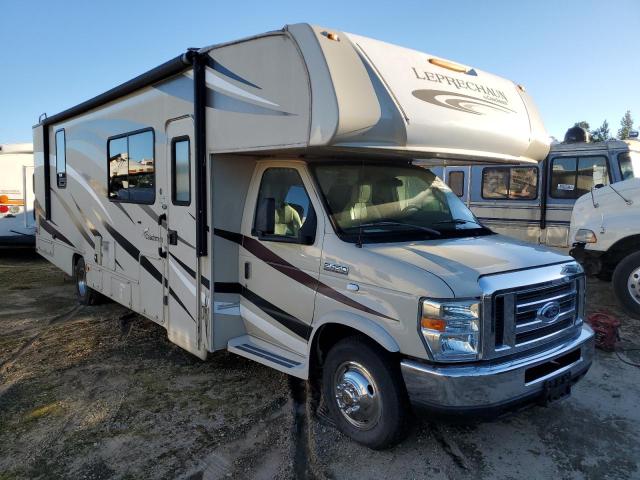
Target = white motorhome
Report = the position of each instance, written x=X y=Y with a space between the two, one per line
x=260 y=196
x=605 y=233
x=534 y=202
x=17 y=220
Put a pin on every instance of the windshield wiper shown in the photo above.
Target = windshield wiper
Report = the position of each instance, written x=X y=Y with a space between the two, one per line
x=389 y=222
x=457 y=221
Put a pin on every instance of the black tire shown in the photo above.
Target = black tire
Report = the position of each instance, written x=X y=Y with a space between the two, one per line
x=626 y=276
x=389 y=425
x=86 y=295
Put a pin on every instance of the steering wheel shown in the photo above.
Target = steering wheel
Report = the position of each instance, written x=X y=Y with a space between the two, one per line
x=410 y=210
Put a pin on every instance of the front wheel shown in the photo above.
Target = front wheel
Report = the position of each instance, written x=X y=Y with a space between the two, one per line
x=626 y=284
x=362 y=387
x=86 y=295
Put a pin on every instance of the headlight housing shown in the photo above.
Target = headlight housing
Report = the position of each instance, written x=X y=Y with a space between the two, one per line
x=585 y=236
x=451 y=329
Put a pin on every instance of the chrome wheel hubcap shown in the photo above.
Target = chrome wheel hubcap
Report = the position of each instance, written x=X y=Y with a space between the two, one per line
x=81 y=280
x=357 y=395
x=633 y=284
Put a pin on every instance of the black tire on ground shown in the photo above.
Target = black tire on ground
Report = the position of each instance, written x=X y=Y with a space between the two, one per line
x=387 y=427
x=86 y=295
x=627 y=273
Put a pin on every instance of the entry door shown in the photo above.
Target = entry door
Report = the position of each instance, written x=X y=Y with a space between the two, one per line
x=179 y=238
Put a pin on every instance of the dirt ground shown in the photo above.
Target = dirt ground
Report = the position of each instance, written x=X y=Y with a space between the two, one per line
x=88 y=394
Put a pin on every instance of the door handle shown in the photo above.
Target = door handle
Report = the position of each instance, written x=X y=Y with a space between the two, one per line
x=247 y=270
x=172 y=237
x=162 y=218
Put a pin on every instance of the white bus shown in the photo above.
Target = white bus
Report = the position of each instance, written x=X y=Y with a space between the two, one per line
x=17 y=220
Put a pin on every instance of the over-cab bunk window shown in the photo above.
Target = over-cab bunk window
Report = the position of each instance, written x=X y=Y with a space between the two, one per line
x=132 y=167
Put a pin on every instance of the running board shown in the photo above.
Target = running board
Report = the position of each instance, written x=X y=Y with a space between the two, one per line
x=270 y=355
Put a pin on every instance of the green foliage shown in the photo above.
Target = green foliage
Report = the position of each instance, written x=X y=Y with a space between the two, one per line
x=626 y=125
x=602 y=133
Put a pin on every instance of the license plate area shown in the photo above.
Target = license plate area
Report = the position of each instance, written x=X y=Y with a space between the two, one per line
x=556 y=388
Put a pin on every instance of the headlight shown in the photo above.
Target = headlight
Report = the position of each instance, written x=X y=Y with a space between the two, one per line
x=585 y=236
x=451 y=329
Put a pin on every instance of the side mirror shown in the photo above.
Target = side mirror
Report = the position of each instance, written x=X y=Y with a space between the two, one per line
x=265 y=223
x=307 y=233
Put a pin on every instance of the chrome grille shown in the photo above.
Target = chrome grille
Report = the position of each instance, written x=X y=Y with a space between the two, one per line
x=517 y=322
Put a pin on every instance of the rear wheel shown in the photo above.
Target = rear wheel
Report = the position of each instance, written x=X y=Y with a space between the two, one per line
x=626 y=284
x=363 y=390
x=86 y=295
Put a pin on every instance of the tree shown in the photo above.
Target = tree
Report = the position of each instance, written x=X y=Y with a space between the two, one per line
x=626 y=125
x=602 y=133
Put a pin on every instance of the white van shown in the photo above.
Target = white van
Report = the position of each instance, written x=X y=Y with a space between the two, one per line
x=260 y=196
x=605 y=233
x=17 y=220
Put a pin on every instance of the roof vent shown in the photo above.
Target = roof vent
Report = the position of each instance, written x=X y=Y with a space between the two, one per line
x=576 y=134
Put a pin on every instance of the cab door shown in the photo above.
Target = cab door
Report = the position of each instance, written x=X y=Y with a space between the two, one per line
x=280 y=258
x=178 y=231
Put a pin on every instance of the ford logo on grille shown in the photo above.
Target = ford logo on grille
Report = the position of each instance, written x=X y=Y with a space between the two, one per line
x=549 y=312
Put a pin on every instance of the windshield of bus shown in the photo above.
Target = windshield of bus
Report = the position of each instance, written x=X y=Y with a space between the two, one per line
x=376 y=202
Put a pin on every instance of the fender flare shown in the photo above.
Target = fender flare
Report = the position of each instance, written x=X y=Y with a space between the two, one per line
x=358 y=322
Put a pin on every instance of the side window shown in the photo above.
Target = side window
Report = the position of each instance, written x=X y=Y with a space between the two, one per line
x=563 y=177
x=625 y=165
x=591 y=171
x=284 y=187
x=572 y=177
x=510 y=183
x=523 y=183
x=456 y=183
x=61 y=159
x=495 y=183
x=132 y=168
x=181 y=171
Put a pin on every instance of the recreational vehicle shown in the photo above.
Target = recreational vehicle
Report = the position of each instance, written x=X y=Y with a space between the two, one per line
x=17 y=221
x=534 y=202
x=605 y=236
x=260 y=196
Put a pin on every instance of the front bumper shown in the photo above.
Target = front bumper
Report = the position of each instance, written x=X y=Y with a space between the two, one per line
x=591 y=260
x=487 y=387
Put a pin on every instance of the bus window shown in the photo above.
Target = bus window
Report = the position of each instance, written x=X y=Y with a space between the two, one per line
x=510 y=183
x=456 y=183
x=572 y=177
x=626 y=162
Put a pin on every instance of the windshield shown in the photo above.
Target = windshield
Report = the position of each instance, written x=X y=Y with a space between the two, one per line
x=389 y=202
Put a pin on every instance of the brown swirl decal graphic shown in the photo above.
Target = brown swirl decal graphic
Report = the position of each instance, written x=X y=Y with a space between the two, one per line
x=458 y=101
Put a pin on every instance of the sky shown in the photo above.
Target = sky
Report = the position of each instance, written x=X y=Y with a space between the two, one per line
x=578 y=59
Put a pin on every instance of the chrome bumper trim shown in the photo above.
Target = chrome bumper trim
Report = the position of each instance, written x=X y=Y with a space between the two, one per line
x=480 y=386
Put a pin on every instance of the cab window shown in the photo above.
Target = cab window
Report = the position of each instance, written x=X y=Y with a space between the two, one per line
x=284 y=188
x=572 y=177
x=625 y=162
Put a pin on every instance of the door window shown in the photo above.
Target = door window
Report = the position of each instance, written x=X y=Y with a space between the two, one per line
x=292 y=204
x=572 y=177
x=61 y=159
x=181 y=171
x=625 y=162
